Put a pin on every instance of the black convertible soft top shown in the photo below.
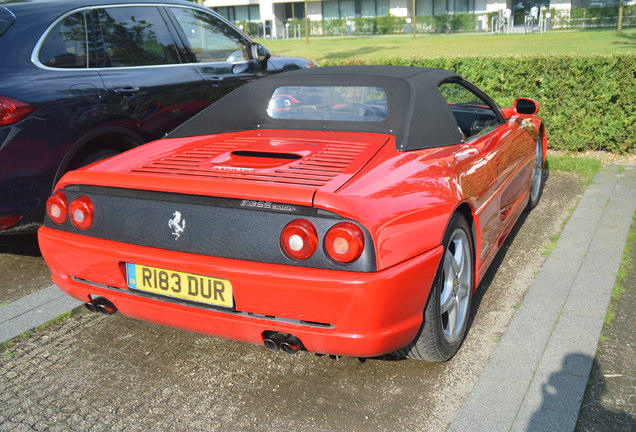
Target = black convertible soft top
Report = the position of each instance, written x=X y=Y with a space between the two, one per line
x=418 y=115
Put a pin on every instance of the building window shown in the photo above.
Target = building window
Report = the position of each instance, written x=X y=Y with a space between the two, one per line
x=295 y=10
x=332 y=9
x=347 y=9
x=382 y=7
x=464 y=6
x=444 y=7
x=440 y=7
x=240 y=13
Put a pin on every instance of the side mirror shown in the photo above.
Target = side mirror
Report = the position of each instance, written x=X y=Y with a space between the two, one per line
x=525 y=106
x=260 y=54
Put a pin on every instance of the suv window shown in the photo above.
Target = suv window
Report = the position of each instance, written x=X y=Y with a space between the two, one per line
x=6 y=20
x=473 y=115
x=136 y=36
x=210 y=39
x=66 y=44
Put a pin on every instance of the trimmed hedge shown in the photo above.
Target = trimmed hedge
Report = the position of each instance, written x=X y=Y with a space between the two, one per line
x=452 y=23
x=587 y=102
x=606 y=16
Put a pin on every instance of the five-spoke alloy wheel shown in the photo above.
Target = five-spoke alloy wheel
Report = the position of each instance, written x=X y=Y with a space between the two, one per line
x=448 y=309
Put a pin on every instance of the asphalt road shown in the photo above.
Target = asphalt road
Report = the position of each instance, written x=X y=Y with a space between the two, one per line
x=93 y=372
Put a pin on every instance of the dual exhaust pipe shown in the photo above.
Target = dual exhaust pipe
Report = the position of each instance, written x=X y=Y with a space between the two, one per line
x=273 y=341
x=286 y=342
x=101 y=305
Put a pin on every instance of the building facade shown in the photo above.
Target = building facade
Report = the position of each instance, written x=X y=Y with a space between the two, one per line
x=284 y=18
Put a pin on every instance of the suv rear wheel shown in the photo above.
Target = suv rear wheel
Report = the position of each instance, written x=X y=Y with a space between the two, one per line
x=95 y=156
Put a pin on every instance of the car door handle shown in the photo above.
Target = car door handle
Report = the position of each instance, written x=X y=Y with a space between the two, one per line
x=127 y=90
x=214 y=80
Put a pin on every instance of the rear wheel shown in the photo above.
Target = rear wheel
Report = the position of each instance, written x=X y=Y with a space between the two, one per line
x=448 y=307
x=95 y=156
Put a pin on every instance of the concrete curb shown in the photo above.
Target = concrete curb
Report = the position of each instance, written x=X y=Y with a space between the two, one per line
x=33 y=310
x=536 y=378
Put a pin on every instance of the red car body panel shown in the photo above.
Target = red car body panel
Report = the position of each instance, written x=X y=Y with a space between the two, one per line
x=403 y=199
x=353 y=304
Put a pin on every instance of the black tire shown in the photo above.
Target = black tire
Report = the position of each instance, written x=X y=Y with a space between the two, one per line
x=536 y=183
x=436 y=341
x=94 y=156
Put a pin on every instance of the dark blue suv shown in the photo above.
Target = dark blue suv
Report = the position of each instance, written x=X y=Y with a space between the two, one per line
x=81 y=81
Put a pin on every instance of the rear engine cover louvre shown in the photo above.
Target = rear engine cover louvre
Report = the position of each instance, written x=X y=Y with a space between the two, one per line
x=325 y=161
x=220 y=227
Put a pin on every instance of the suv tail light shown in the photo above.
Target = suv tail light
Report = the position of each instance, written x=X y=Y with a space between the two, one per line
x=12 y=111
x=344 y=242
x=81 y=212
x=299 y=239
x=57 y=207
x=9 y=222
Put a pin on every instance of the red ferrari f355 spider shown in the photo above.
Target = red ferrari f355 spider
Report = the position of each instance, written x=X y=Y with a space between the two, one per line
x=358 y=219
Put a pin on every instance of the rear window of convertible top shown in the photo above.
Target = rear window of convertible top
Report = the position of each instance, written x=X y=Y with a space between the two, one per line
x=329 y=103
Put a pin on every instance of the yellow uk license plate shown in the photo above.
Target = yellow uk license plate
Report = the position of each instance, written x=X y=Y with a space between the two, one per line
x=185 y=286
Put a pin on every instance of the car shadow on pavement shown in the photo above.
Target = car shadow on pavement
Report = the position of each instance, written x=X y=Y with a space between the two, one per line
x=20 y=244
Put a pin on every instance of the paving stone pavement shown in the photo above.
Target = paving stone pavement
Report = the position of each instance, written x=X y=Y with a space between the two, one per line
x=609 y=403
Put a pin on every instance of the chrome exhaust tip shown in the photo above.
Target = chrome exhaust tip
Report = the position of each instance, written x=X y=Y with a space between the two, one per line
x=104 y=306
x=291 y=345
x=274 y=341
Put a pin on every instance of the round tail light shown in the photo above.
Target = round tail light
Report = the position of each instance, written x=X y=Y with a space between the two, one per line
x=81 y=212
x=299 y=239
x=57 y=207
x=344 y=242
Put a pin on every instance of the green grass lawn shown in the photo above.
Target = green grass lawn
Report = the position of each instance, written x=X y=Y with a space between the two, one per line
x=579 y=42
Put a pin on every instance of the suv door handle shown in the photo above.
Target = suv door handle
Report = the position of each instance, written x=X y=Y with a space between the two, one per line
x=214 y=80
x=127 y=90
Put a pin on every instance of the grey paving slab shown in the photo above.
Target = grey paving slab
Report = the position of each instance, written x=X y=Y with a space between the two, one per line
x=593 y=281
x=556 y=284
x=574 y=357
x=543 y=304
x=25 y=304
x=475 y=422
x=515 y=357
x=33 y=310
x=528 y=333
x=550 y=344
x=511 y=365
x=588 y=303
x=555 y=391
x=542 y=419
x=573 y=326
x=496 y=400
